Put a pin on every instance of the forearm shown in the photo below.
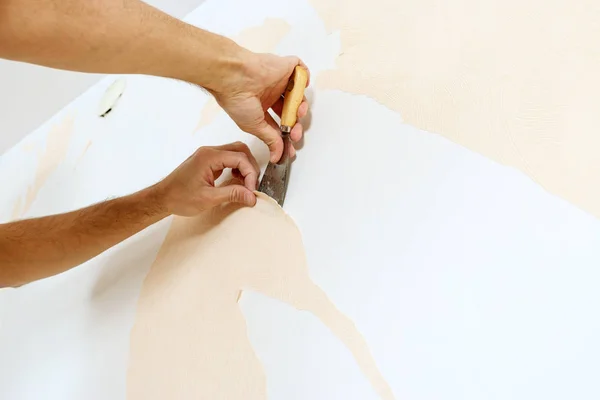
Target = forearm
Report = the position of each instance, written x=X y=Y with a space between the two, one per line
x=114 y=36
x=41 y=247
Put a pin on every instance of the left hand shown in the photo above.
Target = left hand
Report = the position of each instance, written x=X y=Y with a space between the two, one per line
x=190 y=189
x=248 y=96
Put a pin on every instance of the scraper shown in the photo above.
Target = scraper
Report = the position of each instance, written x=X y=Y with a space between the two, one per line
x=275 y=180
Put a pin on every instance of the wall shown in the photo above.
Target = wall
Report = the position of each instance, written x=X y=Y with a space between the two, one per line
x=30 y=94
x=466 y=279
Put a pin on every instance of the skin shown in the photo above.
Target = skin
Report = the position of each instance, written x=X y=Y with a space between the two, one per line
x=41 y=247
x=131 y=37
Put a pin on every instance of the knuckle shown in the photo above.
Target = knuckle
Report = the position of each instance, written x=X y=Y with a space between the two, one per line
x=242 y=146
x=212 y=152
x=235 y=194
x=244 y=159
x=202 y=151
x=271 y=140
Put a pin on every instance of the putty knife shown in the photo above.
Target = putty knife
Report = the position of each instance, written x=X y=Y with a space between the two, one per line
x=275 y=180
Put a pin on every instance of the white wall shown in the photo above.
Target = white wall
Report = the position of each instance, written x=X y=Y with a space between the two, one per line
x=29 y=94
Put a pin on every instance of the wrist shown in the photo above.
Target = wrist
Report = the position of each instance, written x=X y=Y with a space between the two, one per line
x=154 y=200
x=212 y=61
x=231 y=71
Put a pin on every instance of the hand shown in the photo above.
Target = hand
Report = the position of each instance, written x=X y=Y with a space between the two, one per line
x=247 y=96
x=190 y=189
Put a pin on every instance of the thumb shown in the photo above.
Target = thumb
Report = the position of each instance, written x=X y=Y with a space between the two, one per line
x=271 y=136
x=233 y=194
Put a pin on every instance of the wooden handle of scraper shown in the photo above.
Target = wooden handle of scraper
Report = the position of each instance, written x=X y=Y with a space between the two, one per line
x=292 y=98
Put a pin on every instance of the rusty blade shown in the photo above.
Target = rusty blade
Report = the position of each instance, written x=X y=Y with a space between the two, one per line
x=275 y=180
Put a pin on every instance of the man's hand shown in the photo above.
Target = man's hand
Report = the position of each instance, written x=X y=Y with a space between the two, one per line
x=131 y=37
x=247 y=95
x=37 y=248
x=190 y=189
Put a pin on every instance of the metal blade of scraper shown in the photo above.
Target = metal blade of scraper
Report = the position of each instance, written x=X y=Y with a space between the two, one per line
x=274 y=182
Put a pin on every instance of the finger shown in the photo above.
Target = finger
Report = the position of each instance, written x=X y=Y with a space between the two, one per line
x=278 y=107
x=293 y=61
x=296 y=132
x=236 y=160
x=302 y=110
x=272 y=123
x=292 y=151
x=236 y=174
x=300 y=62
x=232 y=194
x=217 y=174
x=233 y=181
x=274 y=142
x=240 y=146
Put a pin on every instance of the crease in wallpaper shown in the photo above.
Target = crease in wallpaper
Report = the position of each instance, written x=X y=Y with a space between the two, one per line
x=189 y=336
x=83 y=153
x=515 y=81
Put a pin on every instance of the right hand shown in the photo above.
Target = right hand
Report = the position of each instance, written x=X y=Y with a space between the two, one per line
x=247 y=96
x=190 y=189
